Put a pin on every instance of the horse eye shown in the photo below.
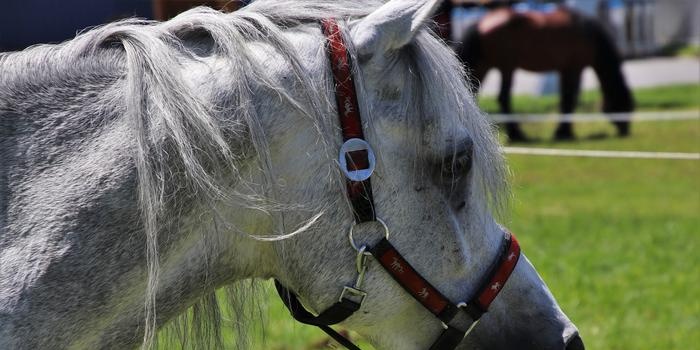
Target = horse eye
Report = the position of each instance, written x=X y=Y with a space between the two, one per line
x=454 y=168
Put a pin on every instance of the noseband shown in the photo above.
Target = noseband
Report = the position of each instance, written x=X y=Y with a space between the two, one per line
x=357 y=163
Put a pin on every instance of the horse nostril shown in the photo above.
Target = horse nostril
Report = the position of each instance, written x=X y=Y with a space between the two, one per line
x=575 y=343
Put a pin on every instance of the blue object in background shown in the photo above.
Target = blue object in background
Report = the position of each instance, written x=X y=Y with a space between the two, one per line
x=27 y=22
x=616 y=3
x=535 y=5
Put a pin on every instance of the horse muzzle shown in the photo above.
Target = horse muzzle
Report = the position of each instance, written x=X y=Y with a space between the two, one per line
x=574 y=343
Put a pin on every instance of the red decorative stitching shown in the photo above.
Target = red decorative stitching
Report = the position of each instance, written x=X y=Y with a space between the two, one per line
x=412 y=282
x=348 y=108
x=505 y=268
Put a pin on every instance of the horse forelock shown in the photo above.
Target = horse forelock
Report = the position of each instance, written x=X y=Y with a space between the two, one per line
x=175 y=126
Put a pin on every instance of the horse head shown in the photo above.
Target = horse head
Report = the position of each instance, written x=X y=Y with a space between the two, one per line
x=204 y=150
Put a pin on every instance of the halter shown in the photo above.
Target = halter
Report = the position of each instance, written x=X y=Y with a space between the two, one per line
x=357 y=162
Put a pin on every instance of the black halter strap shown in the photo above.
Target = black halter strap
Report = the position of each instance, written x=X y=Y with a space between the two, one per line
x=357 y=162
x=337 y=313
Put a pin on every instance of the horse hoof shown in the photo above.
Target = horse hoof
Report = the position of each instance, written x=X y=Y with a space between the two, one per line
x=564 y=136
x=515 y=134
x=517 y=138
x=623 y=132
x=623 y=129
x=564 y=133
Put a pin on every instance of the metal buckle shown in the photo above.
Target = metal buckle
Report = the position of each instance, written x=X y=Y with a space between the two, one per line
x=469 y=330
x=471 y=326
x=361 y=266
x=353 y=145
x=357 y=296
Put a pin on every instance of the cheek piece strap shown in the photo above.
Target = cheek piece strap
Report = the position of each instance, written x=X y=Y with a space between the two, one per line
x=357 y=162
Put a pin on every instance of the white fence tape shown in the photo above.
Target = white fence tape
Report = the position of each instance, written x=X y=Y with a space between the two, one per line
x=595 y=117
x=600 y=154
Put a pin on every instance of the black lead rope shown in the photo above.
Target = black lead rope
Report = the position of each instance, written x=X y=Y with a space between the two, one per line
x=337 y=313
x=339 y=338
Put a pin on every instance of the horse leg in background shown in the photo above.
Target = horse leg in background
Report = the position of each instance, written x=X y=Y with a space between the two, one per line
x=569 y=88
x=617 y=96
x=515 y=134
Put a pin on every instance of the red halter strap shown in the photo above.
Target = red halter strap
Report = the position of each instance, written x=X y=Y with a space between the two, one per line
x=359 y=191
x=357 y=162
x=431 y=298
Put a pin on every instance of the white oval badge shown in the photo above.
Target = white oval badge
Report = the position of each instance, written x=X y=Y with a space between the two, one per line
x=351 y=151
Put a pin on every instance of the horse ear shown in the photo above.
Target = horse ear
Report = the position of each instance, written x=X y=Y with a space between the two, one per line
x=392 y=26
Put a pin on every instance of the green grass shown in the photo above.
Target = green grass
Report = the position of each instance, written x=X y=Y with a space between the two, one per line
x=616 y=240
x=673 y=97
x=681 y=50
x=689 y=51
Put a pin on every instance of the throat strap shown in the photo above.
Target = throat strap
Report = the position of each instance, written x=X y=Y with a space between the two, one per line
x=359 y=190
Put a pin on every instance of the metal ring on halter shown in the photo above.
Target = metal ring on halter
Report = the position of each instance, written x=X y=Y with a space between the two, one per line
x=352 y=240
x=460 y=305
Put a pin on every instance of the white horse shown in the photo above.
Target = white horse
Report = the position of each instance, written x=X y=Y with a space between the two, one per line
x=144 y=165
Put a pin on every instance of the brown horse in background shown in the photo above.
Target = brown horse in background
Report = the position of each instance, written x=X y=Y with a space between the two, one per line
x=564 y=41
x=166 y=9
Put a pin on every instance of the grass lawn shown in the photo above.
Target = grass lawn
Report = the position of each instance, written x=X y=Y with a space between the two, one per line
x=673 y=97
x=616 y=240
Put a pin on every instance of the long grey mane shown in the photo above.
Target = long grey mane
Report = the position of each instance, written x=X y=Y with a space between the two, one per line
x=179 y=135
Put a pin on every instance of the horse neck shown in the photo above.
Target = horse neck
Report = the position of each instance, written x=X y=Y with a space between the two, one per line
x=72 y=245
x=86 y=254
x=82 y=267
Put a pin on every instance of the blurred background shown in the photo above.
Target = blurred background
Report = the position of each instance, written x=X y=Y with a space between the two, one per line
x=27 y=22
x=615 y=236
x=642 y=29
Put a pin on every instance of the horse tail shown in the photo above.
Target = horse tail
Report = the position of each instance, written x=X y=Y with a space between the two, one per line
x=607 y=63
x=469 y=52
